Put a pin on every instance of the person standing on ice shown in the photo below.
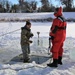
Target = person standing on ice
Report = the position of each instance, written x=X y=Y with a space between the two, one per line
x=57 y=36
x=25 y=41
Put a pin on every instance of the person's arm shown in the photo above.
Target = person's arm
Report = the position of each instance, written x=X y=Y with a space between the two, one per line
x=54 y=28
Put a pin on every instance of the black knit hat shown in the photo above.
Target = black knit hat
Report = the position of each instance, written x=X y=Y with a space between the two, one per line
x=28 y=23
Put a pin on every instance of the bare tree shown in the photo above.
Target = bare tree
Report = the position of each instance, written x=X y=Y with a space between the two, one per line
x=33 y=5
x=45 y=5
x=8 y=6
x=27 y=5
x=5 y=5
x=68 y=4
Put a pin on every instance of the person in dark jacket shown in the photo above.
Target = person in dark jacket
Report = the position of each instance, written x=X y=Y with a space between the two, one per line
x=26 y=34
x=57 y=35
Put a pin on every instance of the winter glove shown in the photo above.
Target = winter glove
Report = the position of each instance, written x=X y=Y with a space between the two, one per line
x=31 y=35
x=30 y=41
x=51 y=38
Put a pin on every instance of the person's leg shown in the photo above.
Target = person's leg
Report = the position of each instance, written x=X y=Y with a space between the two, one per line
x=25 y=53
x=28 y=49
x=55 y=49
x=60 y=54
x=61 y=50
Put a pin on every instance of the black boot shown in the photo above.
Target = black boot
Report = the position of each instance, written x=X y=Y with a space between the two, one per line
x=60 y=60
x=26 y=61
x=54 y=64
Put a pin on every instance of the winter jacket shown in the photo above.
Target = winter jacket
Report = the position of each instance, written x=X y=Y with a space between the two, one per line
x=58 y=28
x=58 y=34
x=25 y=35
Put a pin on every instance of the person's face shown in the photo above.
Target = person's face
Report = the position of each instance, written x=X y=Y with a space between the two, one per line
x=29 y=26
x=56 y=10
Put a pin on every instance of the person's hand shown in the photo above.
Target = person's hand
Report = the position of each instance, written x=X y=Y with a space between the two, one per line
x=31 y=35
x=30 y=41
x=51 y=38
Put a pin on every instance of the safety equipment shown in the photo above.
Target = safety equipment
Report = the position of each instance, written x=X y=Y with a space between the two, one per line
x=58 y=31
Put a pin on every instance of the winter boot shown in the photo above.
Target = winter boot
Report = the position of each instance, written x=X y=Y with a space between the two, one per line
x=54 y=64
x=26 y=61
x=60 y=60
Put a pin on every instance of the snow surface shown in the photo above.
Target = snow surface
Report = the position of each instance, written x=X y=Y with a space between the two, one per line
x=34 y=15
x=25 y=15
x=10 y=47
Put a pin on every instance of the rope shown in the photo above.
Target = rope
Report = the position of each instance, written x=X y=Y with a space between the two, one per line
x=9 y=32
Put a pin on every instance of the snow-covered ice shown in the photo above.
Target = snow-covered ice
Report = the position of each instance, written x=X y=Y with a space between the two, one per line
x=10 y=47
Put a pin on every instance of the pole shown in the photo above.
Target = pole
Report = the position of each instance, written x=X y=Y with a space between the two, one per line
x=38 y=37
x=49 y=46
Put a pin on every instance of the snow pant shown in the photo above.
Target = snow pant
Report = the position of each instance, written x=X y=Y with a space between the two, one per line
x=26 y=51
x=57 y=49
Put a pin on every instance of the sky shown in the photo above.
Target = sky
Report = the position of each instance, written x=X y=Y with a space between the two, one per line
x=14 y=1
x=56 y=3
x=39 y=3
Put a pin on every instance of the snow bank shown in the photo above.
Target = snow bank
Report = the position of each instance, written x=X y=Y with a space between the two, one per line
x=24 y=15
x=48 y=16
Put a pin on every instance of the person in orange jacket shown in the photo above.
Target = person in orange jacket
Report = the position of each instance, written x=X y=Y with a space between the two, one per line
x=57 y=36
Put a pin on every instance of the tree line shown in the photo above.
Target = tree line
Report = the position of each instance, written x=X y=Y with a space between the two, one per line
x=32 y=6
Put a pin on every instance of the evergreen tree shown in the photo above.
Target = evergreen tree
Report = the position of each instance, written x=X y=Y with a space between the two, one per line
x=14 y=8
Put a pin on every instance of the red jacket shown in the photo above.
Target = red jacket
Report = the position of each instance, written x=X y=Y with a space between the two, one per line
x=58 y=28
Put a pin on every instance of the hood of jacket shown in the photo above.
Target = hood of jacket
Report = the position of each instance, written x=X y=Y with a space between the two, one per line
x=58 y=12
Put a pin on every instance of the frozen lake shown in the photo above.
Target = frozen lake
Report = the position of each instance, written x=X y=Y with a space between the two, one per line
x=10 y=47
x=10 y=43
